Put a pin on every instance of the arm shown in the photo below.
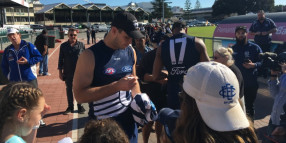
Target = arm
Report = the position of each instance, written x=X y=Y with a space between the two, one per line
x=273 y=84
x=83 y=78
x=35 y=56
x=5 y=63
x=201 y=47
x=61 y=64
x=158 y=64
x=136 y=88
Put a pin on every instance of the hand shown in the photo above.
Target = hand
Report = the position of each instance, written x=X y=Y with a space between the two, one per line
x=279 y=131
x=264 y=33
x=283 y=67
x=249 y=65
x=127 y=83
x=22 y=61
x=61 y=76
x=163 y=81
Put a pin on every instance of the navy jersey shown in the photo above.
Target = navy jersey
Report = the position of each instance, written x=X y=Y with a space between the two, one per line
x=267 y=25
x=111 y=65
x=240 y=54
x=178 y=55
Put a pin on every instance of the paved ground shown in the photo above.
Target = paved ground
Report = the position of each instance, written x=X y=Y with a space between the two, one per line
x=60 y=126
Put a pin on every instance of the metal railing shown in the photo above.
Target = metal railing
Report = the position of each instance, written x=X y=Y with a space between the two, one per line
x=29 y=37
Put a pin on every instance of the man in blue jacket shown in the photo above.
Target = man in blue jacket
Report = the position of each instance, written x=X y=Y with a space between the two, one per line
x=246 y=57
x=20 y=59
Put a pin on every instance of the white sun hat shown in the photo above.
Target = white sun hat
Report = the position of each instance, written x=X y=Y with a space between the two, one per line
x=216 y=91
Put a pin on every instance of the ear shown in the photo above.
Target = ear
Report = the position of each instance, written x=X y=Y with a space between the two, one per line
x=114 y=30
x=21 y=114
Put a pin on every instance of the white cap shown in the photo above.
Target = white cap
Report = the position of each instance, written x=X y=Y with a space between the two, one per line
x=12 y=30
x=216 y=91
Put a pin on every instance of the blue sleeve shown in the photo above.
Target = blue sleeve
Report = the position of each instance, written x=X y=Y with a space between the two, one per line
x=35 y=56
x=273 y=86
x=251 y=29
x=5 y=64
x=272 y=24
x=258 y=61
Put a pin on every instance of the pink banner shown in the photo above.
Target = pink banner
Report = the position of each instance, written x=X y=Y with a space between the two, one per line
x=227 y=31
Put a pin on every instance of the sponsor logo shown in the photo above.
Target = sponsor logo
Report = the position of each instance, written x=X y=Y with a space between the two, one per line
x=178 y=71
x=127 y=69
x=227 y=91
x=10 y=57
x=281 y=30
x=110 y=71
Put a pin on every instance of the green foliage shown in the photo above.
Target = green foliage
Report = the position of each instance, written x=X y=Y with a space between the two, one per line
x=226 y=7
x=187 y=9
x=158 y=9
x=198 y=4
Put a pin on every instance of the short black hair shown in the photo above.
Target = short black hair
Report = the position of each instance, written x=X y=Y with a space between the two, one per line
x=240 y=28
x=179 y=24
x=260 y=11
x=45 y=31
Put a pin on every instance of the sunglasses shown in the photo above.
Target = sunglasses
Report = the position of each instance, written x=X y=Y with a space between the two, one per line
x=73 y=35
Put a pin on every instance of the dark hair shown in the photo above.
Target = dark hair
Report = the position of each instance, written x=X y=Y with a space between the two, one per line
x=45 y=31
x=190 y=127
x=71 y=30
x=261 y=11
x=15 y=96
x=103 y=131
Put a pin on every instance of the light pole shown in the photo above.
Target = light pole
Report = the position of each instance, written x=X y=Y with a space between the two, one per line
x=163 y=20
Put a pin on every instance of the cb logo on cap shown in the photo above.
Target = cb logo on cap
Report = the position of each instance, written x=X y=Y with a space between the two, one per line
x=227 y=92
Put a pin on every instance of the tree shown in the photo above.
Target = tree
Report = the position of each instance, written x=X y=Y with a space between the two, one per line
x=198 y=4
x=188 y=8
x=240 y=7
x=158 y=9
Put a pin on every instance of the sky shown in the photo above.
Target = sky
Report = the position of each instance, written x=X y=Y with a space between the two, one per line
x=180 y=3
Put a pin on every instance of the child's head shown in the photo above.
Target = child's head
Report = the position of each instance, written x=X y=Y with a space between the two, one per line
x=103 y=131
x=21 y=106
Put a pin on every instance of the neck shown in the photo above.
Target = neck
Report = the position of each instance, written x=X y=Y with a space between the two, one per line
x=7 y=132
x=72 y=41
x=16 y=46
x=108 y=41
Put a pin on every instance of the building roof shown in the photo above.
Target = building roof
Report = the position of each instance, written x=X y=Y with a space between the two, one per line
x=49 y=7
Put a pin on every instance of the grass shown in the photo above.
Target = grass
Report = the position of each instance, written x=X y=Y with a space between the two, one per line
x=204 y=33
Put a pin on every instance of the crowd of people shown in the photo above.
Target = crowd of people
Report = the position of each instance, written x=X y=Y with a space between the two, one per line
x=197 y=100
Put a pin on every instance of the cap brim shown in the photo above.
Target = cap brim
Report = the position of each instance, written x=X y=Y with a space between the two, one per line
x=136 y=34
x=223 y=120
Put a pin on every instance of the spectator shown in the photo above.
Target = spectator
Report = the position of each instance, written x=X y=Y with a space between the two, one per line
x=20 y=59
x=103 y=131
x=69 y=53
x=141 y=48
x=261 y=28
x=93 y=38
x=224 y=56
x=276 y=88
x=156 y=90
x=21 y=108
x=210 y=110
x=246 y=58
x=105 y=75
x=41 y=43
x=88 y=35
x=177 y=54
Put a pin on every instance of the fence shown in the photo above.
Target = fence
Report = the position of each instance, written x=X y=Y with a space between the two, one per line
x=29 y=37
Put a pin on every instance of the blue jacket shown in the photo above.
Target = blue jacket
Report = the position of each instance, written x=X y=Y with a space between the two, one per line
x=17 y=72
x=249 y=51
